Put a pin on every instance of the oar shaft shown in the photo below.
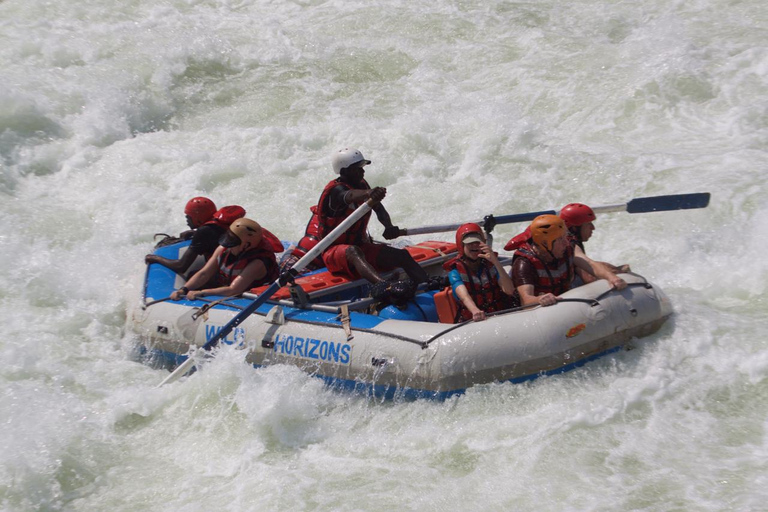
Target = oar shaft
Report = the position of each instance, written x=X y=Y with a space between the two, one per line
x=433 y=229
x=610 y=208
x=241 y=316
x=502 y=219
x=180 y=371
x=521 y=217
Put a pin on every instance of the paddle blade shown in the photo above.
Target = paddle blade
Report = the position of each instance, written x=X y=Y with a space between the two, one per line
x=668 y=203
x=179 y=372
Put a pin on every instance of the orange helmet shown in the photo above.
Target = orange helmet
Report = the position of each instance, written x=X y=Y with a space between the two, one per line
x=199 y=210
x=242 y=230
x=464 y=231
x=545 y=229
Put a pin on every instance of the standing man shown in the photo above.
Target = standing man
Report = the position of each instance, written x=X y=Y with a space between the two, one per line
x=354 y=254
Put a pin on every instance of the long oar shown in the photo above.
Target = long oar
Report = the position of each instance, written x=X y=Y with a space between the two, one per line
x=187 y=365
x=638 y=205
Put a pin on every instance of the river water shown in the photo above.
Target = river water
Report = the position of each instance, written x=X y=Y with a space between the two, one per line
x=114 y=113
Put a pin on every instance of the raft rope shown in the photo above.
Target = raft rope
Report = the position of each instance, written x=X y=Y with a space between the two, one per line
x=211 y=303
x=145 y=306
x=645 y=284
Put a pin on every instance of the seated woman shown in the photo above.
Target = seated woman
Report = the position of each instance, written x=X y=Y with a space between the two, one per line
x=480 y=284
x=244 y=259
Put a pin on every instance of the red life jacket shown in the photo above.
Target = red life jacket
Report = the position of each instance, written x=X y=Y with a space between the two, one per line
x=270 y=242
x=518 y=240
x=231 y=266
x=355 y=235
x=554 y=278
x=486 y=293
x=310 y=240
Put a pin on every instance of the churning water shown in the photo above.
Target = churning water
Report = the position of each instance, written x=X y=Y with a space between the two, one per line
x=114 y=113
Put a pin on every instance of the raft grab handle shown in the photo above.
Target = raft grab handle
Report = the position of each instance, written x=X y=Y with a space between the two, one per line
x=645 y=284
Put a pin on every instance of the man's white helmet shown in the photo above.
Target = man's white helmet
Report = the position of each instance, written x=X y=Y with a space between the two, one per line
x=346 y=157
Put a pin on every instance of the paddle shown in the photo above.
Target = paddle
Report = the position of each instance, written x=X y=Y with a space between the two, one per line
x=638 y=205
x=187 y=365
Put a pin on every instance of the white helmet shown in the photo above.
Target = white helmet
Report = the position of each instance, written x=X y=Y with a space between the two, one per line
x=346 y=157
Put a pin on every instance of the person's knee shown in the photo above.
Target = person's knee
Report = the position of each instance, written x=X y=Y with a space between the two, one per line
x=354 y=255
x=353 y=252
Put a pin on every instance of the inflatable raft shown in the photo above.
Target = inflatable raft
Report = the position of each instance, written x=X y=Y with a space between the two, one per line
x=326 y=327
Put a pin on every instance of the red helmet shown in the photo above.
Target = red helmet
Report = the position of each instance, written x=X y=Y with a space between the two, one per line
x=576 y=214
x=466 y=229
x=200 y=210
x=229 y=214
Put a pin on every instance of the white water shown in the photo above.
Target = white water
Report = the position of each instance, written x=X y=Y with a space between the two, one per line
x=113 y=114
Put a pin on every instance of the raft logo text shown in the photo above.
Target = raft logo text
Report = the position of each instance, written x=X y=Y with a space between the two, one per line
x=310 y=348
x=237 y=336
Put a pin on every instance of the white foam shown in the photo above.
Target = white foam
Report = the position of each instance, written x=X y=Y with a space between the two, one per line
x=113 y=114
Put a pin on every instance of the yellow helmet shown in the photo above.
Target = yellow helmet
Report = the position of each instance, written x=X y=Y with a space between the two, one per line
x=242 y=230
x=545 y=229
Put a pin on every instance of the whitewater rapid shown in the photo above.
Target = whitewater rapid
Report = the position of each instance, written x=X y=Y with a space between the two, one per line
x=113 y=114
